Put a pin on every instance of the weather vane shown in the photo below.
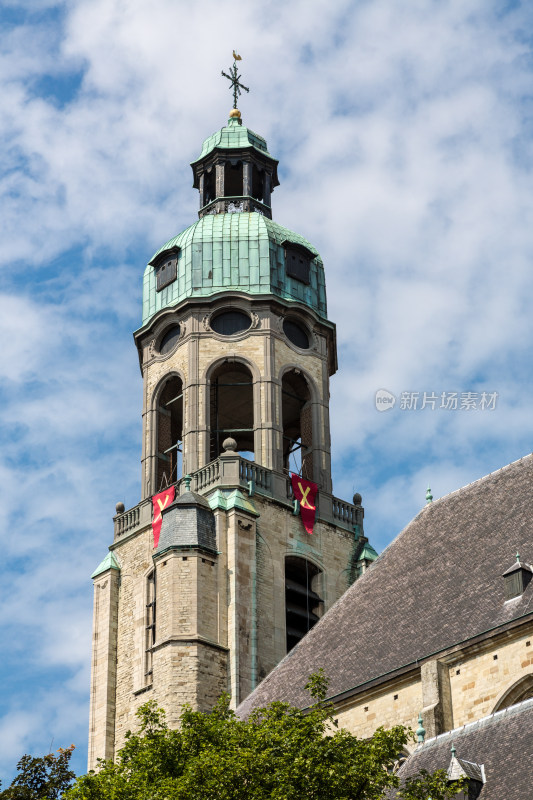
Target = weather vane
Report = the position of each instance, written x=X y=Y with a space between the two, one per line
x=236 y=85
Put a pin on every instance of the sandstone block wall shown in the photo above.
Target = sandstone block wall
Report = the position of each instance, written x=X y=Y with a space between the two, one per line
x=220 y=618
x=462 y=686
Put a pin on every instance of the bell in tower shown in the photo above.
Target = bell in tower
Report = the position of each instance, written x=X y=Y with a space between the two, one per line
x=237 y=546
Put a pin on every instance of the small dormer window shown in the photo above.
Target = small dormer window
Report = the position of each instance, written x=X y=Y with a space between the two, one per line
x=471 y=773
x=517 y=578
x=298 y=262
x=166 y=268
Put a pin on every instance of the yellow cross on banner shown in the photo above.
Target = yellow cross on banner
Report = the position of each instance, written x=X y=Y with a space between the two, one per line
x=162 y=504
x=305 y=492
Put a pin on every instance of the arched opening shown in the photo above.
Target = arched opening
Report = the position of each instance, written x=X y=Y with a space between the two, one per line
x=233 y=179
x=258 y=183
x=232 y=409
x=296 y=414
x=521 y=690
x=169 y=433
x=303 y=604
x=209 y=185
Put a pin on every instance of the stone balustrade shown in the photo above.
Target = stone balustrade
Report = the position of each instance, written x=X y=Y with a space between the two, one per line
x=230 y=471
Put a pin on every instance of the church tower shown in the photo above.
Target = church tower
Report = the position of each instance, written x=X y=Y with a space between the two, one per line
x=236 y=351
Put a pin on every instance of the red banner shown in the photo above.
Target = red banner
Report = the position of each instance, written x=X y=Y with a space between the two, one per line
x=305 y=493
x=159 y=502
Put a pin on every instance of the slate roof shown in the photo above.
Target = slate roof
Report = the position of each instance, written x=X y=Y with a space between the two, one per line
x=502 y=743
x=437 y=584
x=188 y=522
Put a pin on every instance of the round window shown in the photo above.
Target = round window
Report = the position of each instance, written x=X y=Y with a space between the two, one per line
x=169 y=339
x=229 y=322
x=296 y=334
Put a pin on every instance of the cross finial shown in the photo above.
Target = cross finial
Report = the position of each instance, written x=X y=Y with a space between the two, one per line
x=235 y=78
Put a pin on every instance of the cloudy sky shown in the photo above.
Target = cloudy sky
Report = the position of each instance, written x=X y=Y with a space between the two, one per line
x=404 y=135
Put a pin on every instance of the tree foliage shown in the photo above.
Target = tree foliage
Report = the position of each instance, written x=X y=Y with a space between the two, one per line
x=41 y=778
x=280 y=753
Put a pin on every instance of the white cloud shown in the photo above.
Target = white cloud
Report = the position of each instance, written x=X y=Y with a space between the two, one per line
x=405 y=155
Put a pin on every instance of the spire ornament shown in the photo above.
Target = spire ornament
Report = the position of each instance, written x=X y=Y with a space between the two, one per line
x=420 y=731
x=235 y=79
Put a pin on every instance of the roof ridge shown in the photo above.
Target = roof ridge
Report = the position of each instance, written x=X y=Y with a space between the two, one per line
x=473 y=483
x=478 y=723
x=445 y=497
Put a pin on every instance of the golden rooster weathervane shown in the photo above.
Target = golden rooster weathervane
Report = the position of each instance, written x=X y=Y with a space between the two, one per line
x=236 y=85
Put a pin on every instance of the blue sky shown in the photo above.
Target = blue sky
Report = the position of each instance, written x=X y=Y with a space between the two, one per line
x=404 y=137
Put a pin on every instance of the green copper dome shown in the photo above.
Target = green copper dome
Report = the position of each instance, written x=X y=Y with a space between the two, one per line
x=240 y=252
x=233 y=136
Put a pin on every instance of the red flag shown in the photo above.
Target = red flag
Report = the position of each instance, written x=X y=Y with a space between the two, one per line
x=161 y=501
x=305 y=493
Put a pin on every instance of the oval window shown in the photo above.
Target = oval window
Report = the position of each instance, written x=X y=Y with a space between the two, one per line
x=229 y=322
x=169 y=339
x=296 y=334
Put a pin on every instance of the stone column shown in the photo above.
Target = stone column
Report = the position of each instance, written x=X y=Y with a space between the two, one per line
x=270 y=413
x=267 y=192
x=201 y=186
x=242 y=608
x=247 y=178
x=219 y=180
x=104 y=665
x=149 y=446
x=193 y=427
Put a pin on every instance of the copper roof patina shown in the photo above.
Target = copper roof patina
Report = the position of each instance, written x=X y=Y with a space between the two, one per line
x=233 y=136
x=234 y=252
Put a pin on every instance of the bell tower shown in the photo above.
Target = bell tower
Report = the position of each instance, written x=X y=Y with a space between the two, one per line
x=236 y=352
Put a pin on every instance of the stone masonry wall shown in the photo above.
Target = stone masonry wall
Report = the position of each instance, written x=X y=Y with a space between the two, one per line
x=479 y=680
x=206 y=641
x=477 y=683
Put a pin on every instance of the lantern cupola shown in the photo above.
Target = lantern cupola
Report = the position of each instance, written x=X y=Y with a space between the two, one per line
x=235 y=172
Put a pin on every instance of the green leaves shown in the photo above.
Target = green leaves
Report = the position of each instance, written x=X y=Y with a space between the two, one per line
x=434 y=786
x=279 y=753
x=45 y=777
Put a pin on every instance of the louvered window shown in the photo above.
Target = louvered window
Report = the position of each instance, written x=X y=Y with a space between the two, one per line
x=167 y=272
x=303 y=604
x=298 y=262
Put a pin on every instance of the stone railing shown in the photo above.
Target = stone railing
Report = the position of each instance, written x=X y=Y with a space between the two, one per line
x=259 y=476
x=206 y=477
x=234 y=205
x=230 y=471
x=344 y=512
x=137 y=517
